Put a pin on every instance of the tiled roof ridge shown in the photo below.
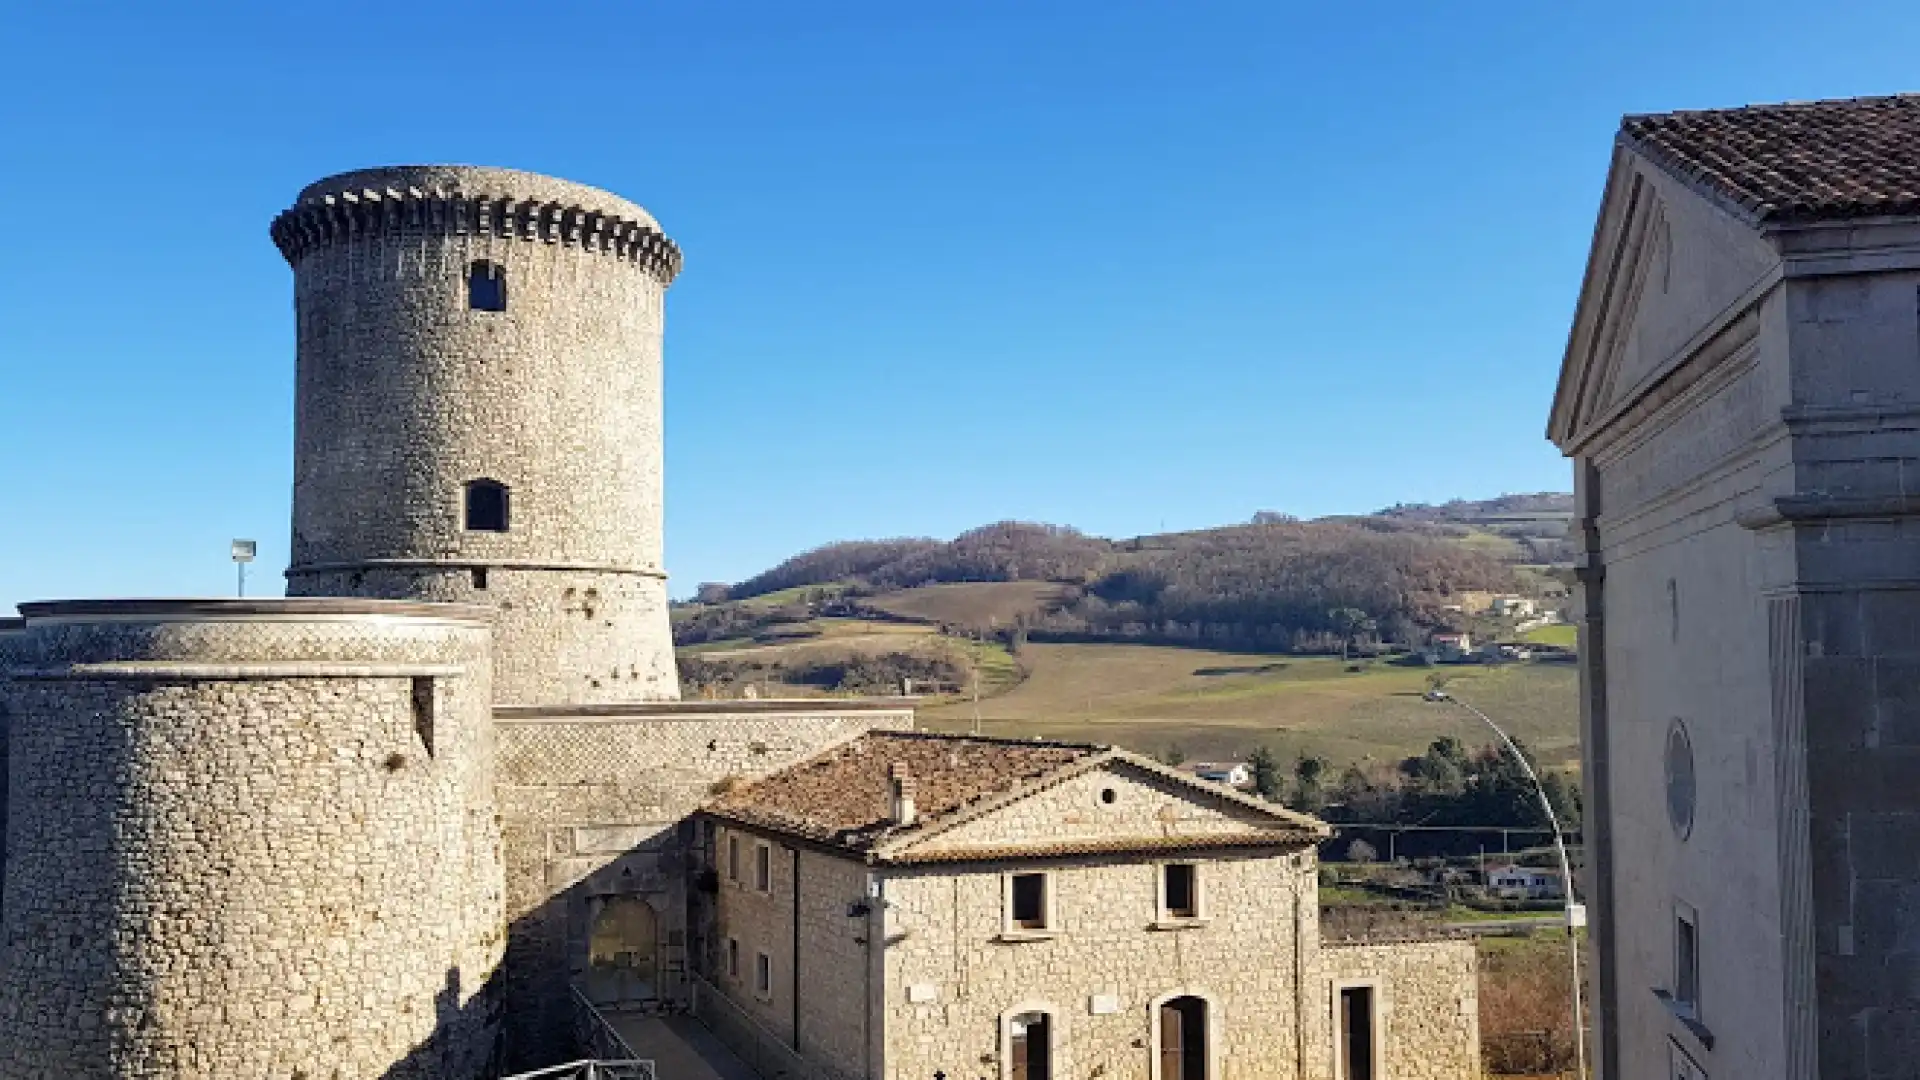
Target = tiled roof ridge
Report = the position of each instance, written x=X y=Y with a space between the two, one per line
x=1791 y=162
x=1769 y=106
x=992 y=740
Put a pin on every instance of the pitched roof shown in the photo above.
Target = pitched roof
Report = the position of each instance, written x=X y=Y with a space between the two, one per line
x=1797 y=162
x=844 y=797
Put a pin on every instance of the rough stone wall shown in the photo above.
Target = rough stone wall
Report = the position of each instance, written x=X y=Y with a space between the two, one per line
x=1427 y=998
x=593 y=802
x=1144 y=805
x=833 y=983
x=12 y=640
x=404 y=394
x=951 y=978
x=250 y=839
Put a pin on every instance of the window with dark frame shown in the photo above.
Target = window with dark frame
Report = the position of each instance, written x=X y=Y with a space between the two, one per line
x=1686 y=962
x=733 y=858
x=487 y=286
x=733 y=958
x=763 y=975
x=1180 y=890
x=486 y=506
x=763 y=867
x=1029 y=901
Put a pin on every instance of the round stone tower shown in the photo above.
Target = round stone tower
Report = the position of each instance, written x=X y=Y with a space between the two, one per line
x=478 y=415
x=250 y=838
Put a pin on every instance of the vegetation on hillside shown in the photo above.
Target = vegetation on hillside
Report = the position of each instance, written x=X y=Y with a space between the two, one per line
x=1279 y=584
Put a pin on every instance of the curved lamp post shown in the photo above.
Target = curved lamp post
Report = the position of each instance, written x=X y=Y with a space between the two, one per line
x=1576 y=913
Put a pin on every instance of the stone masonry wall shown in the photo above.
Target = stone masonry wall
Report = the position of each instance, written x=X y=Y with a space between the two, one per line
x=951 y=977
x=1428 y=1000
x=12 y=638
x=250 y=839
x=833 y=983
x=404 y=394
x=593 y=802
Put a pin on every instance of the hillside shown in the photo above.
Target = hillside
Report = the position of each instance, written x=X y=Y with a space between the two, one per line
x=1209 y=642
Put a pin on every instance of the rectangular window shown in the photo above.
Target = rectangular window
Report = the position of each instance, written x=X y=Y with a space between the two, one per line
x=1180 y=890
x=763 y=867
x=733 y=858
x=733 y=958
x=763 y=975
x=1028 y=902
x=1686 y=961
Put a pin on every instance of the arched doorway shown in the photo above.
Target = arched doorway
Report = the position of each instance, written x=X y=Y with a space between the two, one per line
x=622 y=953
x=1181 y=1024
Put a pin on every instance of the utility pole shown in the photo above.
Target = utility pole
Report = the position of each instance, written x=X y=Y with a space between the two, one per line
x=976 y=698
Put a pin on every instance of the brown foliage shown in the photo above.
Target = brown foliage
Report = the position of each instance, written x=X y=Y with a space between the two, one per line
x=1526 y=1019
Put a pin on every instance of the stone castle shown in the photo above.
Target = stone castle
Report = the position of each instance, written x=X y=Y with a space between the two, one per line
x=404 y=821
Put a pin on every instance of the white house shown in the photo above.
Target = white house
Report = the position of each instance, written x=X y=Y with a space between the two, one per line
x=1522 y=883
x=1232 y=773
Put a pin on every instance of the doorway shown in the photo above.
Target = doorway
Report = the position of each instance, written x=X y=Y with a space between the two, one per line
x=622 y=953
x=1183 y=1039
x=1358 y=1022
x=1030 y=1046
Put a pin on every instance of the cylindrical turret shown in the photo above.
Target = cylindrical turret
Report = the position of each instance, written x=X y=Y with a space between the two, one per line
x=250 y=838
x=478 y=415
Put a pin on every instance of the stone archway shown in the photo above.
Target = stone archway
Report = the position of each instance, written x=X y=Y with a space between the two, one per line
x=623 y=953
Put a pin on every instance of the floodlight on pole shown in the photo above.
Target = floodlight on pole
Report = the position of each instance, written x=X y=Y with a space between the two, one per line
x=243 y=553
x=1576 y=912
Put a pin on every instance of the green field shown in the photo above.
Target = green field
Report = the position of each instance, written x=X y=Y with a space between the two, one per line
x=1565 y=635
x=1224 y=704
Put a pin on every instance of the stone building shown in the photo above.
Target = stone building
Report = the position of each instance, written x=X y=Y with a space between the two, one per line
x=912 y=905
x=1741 y=396
x=397 y=825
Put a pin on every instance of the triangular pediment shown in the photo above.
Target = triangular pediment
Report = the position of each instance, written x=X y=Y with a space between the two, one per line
x=1118 y=803
x=1667 y=267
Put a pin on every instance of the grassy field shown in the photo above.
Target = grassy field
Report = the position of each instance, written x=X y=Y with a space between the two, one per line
x=983 y=604
x=1565 y=635
x=1224 y=704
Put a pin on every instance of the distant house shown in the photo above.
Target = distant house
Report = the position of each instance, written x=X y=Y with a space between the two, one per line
x=1522 y=883
x=1516 y=607
x=1233 y=773
x=1450 y=646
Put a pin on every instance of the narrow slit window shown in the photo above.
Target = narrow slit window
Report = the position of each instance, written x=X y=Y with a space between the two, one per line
x=763 y=975
x=733 y=858
x=733 y=958
x=486 y=506
x=1029 y=901
x=1180 y=890
x=487 y=286
x=423 y=712
x=763 y=867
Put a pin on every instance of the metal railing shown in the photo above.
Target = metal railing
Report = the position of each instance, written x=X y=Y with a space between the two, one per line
x=764 y=1052
x=609 y=1056
x=589 y=1069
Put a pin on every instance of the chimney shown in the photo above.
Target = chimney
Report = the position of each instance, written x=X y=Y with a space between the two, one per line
x=904 y=812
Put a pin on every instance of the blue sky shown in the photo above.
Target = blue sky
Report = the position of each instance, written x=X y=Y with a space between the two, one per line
x=1122 y=266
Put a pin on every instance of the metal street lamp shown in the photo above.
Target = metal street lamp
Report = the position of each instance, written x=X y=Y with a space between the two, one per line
x=243 y=552
x=1576 y=913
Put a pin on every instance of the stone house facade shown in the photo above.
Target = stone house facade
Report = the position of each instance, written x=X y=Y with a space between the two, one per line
x=1741 y=398
x=1015 y=910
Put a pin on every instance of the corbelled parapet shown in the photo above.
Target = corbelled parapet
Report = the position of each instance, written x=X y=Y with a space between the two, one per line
x=468 y=200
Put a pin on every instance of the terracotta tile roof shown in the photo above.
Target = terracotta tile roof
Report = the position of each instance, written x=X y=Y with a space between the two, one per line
x=1805 y=161
x=845 y=796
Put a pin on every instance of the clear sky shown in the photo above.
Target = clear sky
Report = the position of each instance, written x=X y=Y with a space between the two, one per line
x=1122 y=266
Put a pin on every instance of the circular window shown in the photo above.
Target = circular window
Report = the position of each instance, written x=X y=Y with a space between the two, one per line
x=1108 y=795
x=1680 y=780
